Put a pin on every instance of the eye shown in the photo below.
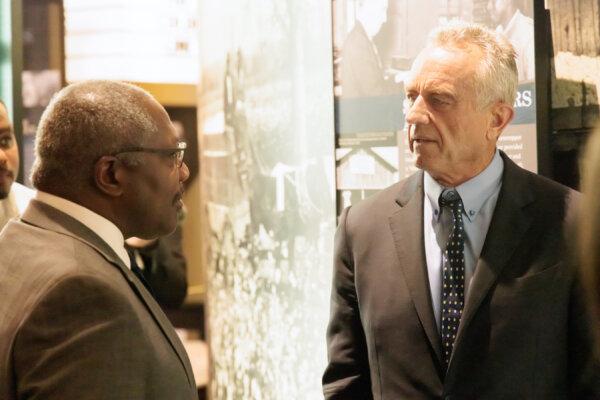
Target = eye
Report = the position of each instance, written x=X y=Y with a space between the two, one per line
x=6 y=142
x=438 y=99
x=176 y=157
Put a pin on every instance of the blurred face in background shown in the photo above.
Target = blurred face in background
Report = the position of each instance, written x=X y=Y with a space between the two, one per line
x=9 y=154
x=501 y=11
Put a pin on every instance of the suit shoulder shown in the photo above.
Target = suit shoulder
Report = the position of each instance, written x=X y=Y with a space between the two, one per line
x=390 y=194
x=380 y=205
x=33 y=246
x=552 y=190
x=38 y=259
x=552 y=200
x=44 y=270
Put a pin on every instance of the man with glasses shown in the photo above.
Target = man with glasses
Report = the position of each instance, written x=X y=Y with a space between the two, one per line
x=161 y=261
x=77 y=323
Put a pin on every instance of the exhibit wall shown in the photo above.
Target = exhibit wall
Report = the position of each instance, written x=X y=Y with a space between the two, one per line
x=265 y=120
x=5 y=54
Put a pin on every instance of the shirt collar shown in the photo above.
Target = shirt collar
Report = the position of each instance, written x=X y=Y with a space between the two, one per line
x=473 y=192
x=511 y=24
x=8 y=209
x=433 y=190
x=97 y=223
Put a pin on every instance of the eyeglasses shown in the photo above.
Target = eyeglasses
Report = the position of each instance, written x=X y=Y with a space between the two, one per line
x=175 y=153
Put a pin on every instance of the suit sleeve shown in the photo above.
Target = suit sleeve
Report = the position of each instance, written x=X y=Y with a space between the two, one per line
x=584 y=364
x=81 y=341
x=347 y=373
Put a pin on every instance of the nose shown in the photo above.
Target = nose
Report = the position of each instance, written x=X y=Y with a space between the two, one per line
x=3 y=158
x=184 y=172
x=417 y=113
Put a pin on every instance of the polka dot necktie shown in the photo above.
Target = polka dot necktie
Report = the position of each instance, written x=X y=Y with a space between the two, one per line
x=453 y=281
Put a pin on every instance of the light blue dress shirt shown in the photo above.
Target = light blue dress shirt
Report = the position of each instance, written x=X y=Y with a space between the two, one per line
x=479 y=195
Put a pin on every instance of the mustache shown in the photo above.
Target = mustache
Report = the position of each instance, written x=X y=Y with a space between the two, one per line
x=7 y=172
x=415 y=133
x=179 y=195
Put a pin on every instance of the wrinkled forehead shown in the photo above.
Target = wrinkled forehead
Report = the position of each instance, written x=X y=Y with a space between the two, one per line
x=436 y=59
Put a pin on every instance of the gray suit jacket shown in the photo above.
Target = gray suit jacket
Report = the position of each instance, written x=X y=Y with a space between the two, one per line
x=524 y=333
x=75 y=323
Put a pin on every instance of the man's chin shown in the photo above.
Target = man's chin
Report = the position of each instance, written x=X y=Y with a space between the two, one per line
x=167 y=229
x=157 y=233
x=5 y=185
x=4 y=193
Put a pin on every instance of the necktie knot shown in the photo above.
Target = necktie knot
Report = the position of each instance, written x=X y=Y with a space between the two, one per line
x=450 y=199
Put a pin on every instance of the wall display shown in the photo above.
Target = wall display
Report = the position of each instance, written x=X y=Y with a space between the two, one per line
x=38 y=88
x=375 y=44
x=6 y=67
x=134 y=40
x=267 y=157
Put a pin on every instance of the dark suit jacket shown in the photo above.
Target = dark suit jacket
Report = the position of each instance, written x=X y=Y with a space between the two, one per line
x=524 y=333
x=165 y=269
x=75 y=323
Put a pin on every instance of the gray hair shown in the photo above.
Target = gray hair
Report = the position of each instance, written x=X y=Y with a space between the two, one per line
x=83 y=122
x=496 y=77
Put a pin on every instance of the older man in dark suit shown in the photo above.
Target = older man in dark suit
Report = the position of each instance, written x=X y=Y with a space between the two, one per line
x=456 y=283
x=76 y=320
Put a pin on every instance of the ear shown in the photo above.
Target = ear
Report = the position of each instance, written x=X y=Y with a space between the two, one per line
x=501 y=115
x=108 y=176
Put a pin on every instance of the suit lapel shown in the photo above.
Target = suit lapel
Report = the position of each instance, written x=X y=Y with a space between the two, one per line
x=407 y=229
x=509 y=224
x=47 y=217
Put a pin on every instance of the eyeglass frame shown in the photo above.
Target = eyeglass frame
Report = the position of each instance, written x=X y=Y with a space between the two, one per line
x=179 y=150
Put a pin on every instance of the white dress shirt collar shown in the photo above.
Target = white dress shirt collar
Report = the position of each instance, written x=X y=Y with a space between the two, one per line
x=102 y=227
x=473 y=192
